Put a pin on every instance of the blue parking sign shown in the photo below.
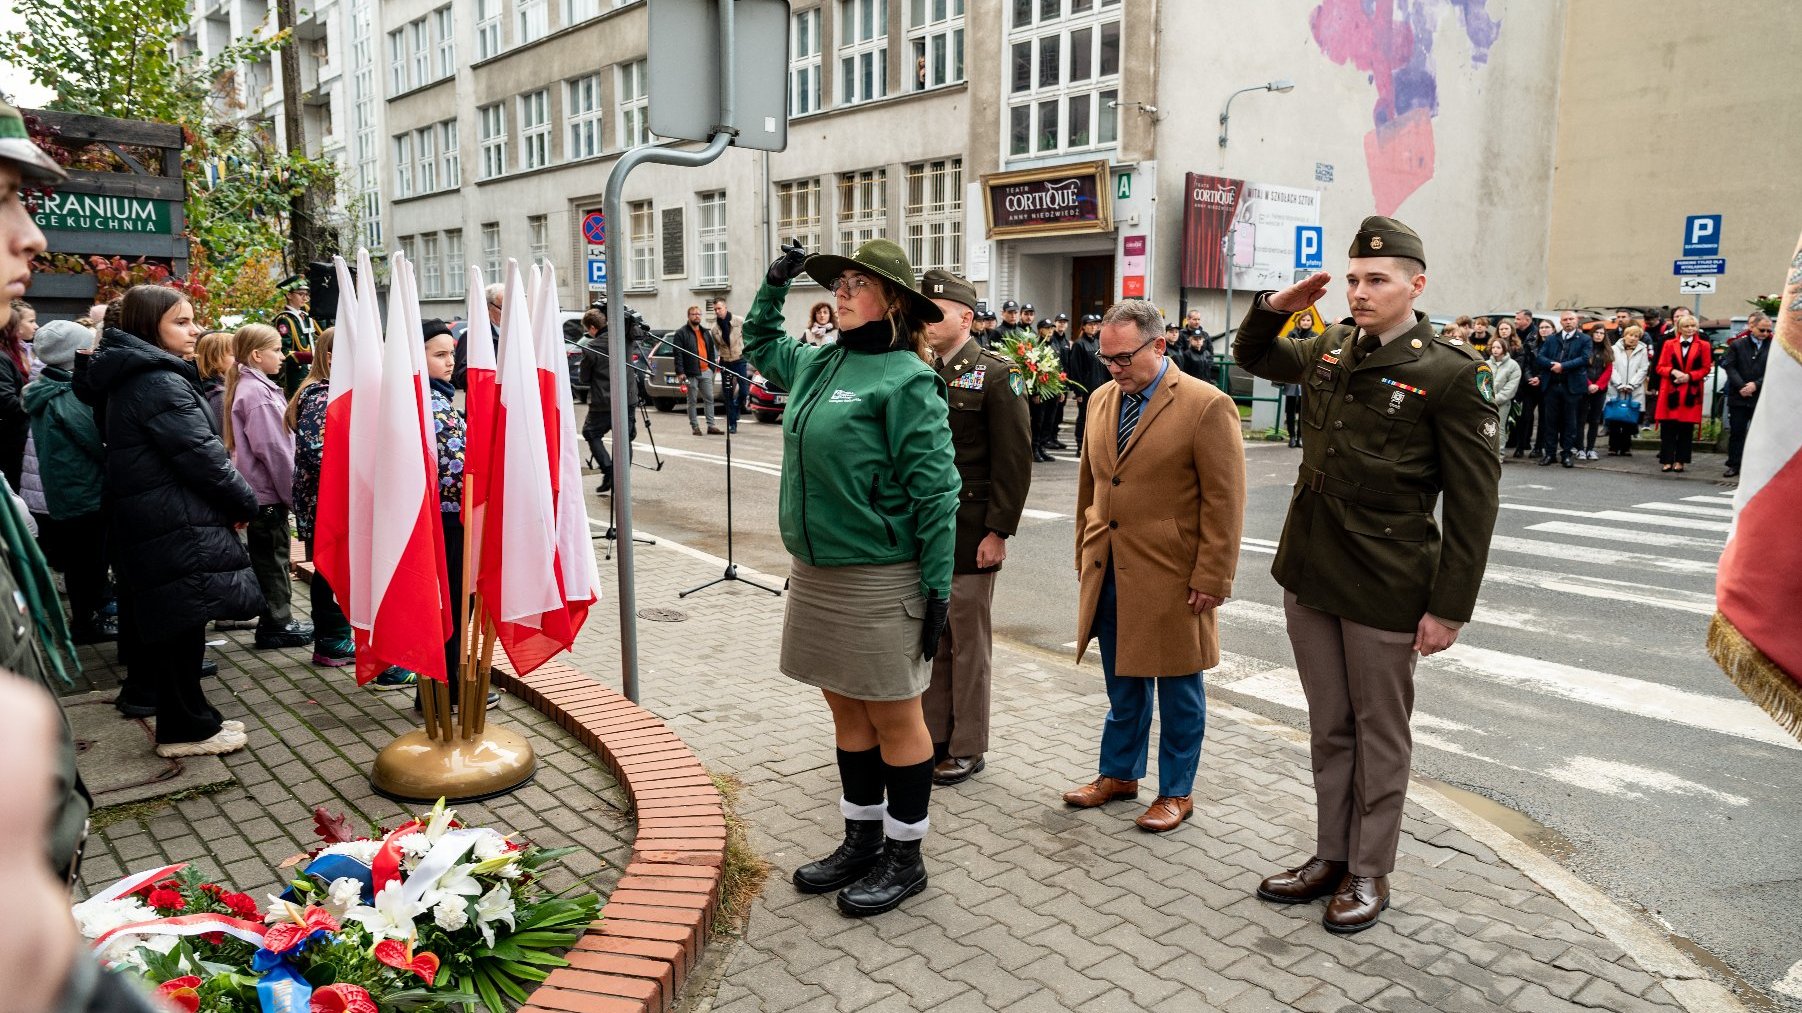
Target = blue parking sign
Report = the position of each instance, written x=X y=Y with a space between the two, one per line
x=1307 y=248
x=1702 y=236
x=597 y=272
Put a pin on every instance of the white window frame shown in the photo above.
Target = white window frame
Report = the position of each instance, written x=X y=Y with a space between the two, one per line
x=431 y=266
x=488 y=28
x=534 y=20
x=403 y=165
x=935 y=34
x=445 y=20
x=804 y=66
x=425 y=153
x=634 y=104
x=1061 y=100
x=409 y=247
x=451 y=164
x=538 y=235
x=582 y=111
x=933 y=215
x=798 y=214
x=578 y=11
x=491 y=251
x=862 y=208
x=492 y=120
x=456 y=270
x=711 y=239
x=419 y=35
x=535 y=129
x=641 y=240
x=397 y=61
x=863 y=44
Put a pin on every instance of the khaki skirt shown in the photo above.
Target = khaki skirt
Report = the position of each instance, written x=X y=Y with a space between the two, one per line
x=855 y=630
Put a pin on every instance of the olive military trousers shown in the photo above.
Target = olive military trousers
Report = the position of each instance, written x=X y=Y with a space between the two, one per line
x=957 y=700
x=1359 y=682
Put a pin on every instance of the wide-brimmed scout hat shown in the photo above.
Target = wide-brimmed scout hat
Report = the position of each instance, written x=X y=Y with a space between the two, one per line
x=885 y=260
x=17 y=146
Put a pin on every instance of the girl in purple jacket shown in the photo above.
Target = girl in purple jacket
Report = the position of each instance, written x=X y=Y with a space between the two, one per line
x=261 y=447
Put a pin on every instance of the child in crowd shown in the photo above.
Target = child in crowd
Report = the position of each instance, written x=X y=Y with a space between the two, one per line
x=262 y=449
x=213 y=358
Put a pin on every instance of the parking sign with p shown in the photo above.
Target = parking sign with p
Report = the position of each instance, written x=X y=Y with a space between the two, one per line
x=1702 y=236
x=1307 y=248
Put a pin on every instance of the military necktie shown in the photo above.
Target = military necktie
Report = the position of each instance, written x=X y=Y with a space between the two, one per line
x=1129 y=417
x=1366 y=344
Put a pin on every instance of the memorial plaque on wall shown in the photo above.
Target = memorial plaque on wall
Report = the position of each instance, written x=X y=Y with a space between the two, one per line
x=1048 y=201
x=675 y=244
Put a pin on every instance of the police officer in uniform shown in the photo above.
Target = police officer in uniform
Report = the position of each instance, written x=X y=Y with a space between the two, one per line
x=297 y=329
x=1011 y=325
x=992 y=440
x=1083 y=364
x=1392 y=418
x=1044 y=409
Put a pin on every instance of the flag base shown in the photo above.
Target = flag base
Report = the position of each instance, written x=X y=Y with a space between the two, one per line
x=418 y=768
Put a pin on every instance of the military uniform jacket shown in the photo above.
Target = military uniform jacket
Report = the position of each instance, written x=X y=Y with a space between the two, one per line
x=1381 y=441
x=991 y=435
x=297 y=330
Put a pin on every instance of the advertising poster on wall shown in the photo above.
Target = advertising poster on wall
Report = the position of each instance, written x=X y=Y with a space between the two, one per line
x=1264 y=238
x=1209 y=204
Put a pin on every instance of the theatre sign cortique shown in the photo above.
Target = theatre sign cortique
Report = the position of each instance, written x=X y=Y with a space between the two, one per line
x=87 y=212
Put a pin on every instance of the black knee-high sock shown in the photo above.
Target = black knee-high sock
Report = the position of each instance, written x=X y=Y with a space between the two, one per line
x=861 y=774
x=909 y=790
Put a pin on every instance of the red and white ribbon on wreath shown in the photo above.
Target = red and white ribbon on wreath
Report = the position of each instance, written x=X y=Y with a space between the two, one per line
x=187 y=925
x=135 y=882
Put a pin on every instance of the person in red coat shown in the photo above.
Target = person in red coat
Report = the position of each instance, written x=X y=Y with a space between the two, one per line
x=1683 y=366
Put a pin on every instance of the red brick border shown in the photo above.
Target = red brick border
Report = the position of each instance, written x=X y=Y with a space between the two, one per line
x=653 y=928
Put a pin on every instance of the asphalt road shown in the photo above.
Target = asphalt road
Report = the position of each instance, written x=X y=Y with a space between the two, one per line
x=1581 y=696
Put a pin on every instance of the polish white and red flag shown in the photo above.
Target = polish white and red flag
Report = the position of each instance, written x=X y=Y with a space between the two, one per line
x=409 y=614
x=577 y=575
x=345 y=517
x=481 y=405
x=1755 y=636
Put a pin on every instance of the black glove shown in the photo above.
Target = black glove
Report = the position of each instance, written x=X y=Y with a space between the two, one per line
x=785 y=267
x=938 y=616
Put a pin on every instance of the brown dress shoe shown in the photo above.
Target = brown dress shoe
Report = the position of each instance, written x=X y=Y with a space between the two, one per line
x=1315 y=879
x=1101 y=790
x=957 y=769
x=1165 y=813
x=1356 y=905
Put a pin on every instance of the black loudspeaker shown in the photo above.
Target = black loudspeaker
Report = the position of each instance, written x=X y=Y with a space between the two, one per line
x=322 y=280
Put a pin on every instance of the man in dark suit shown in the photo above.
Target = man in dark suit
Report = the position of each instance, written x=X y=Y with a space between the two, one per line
x=1564 y=364
x=1744 y=361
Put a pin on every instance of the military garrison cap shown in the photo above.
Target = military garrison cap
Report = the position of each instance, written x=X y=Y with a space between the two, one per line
x=939 y=283
x=1386 y=237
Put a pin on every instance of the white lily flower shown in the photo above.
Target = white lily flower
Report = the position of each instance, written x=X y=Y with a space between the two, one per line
x=453 y=886
x=489 y=845
x=495 y=906
x=440 y=822
x=392 y=915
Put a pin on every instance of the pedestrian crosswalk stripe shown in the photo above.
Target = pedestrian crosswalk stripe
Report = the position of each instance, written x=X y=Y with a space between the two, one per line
x=1718 y=499
x=1627 y=516
x=1725 y=513
x=1661 y=539
x=1043 y=515
x=1572 y=553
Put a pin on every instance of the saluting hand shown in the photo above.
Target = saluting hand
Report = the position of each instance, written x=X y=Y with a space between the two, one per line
x=787 y=265
x=1199 y=602
x=1301 y=295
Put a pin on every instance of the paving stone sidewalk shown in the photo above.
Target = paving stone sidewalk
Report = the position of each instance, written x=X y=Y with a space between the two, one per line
x=1033 y=906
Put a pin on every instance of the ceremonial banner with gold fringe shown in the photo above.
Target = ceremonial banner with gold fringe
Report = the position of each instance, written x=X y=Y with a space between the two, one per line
x=1755 y=636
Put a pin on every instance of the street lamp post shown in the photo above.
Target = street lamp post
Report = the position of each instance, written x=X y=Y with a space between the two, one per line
x=1281 y=87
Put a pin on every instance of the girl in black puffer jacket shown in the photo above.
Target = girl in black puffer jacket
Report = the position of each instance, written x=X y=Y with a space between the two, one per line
x=172 y=497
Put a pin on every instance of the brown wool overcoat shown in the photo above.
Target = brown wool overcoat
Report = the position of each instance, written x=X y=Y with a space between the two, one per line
x=1168 y=507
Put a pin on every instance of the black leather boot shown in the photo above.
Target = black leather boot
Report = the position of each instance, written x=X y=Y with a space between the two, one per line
x=899 y=875
x=859 y=853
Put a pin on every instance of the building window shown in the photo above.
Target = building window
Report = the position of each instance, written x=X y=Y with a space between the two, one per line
x=491 y=251
x=403 y=165
x=804 y=63
x=862 y=51
x=935 y=41
x=421 y=37
x=452 y=164
x=397 y=62
x=710 y=236
x=446 y=21
x=431 y=275
x=533 y=20
x=582 y=111
x=634 y=130
x=362 y=118
x=494 y=140
x=538 y=230
x=535 y=129
x=1063 y=74
x=409 y=247
x=641 y=239
x=425 y=145
x=934 y=214
x=576 y=11
x=862 y=207
x=454 y=268
x=488 y=28
x=798 y=214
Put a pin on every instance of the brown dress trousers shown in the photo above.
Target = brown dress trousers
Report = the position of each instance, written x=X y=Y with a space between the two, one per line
x=957 y=709
x=1359 y=682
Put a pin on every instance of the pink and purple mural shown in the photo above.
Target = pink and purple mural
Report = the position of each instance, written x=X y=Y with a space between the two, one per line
x=1392 y=42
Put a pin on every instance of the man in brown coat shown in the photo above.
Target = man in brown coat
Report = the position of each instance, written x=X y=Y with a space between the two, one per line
x=1160 y=499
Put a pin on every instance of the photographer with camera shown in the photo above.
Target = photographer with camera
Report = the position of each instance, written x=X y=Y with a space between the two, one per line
x=596 y=373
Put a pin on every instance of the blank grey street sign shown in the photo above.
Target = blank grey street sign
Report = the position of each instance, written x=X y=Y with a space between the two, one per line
x=684 y=69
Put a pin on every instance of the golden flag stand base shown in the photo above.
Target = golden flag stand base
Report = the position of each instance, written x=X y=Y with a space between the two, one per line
x=416 y=767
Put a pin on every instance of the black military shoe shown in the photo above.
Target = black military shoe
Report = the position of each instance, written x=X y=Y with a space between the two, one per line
x=1057 y=445
x=859 y=853
x=295 y=634
x=1566 y=461
x=1546 y=461
x=899 y=875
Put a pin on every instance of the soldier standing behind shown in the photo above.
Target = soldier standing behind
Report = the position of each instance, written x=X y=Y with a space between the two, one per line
x=992 y=440
x=1087 y=374
x=1392 y=418
x=1044 y=408
x=297 y=329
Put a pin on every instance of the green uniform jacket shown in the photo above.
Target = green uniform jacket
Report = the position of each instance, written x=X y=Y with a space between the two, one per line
x=991 y=432
x=867 y=469
x=1380 y=443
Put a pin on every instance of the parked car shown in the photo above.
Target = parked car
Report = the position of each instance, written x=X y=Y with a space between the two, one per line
x=767 y=400
x=667 y=392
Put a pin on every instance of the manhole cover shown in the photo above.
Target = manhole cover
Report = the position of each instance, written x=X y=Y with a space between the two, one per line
x=662 y=615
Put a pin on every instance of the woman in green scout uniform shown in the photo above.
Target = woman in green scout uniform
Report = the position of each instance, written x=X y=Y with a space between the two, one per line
x=869 y=506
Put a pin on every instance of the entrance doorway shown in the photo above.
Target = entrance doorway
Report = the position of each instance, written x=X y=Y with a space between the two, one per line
x=1091 y=287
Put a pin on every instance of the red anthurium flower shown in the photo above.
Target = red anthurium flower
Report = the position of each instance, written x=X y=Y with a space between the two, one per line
x=166 y=900
x=287 y=936
x=400 y=956
x=183 y=993
x=341 y=998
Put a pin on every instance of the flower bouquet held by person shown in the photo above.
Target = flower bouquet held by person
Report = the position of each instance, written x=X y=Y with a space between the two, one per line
x=1037 y=371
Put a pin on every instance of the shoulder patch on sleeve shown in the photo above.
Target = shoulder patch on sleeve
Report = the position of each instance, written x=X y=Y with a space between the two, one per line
x=1486 y=384
x=1016 y=382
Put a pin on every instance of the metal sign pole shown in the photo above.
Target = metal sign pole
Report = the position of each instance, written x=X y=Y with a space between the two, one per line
x=616 y=339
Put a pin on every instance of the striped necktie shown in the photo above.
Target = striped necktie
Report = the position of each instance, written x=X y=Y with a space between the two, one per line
x=1129 y=417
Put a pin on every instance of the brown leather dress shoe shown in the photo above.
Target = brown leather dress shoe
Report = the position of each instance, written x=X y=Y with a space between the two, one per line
x=1316 y=878
x=1165 y=813
x=1356 y=904
x=957 y=769
x=1101 y=790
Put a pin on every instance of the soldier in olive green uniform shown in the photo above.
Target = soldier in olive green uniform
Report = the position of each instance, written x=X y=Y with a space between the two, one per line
x=297 y=328
x=1393 y=417
x=993 y=443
